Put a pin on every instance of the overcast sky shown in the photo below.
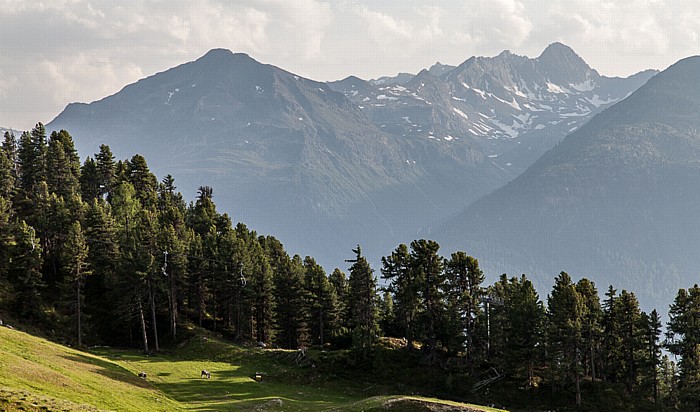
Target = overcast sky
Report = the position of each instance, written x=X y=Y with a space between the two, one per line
x=60 y=51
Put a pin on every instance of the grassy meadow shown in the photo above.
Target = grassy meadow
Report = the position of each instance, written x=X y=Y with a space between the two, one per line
x=37 y=375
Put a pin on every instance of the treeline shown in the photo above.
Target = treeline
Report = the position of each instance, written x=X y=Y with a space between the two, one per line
x=103 y=253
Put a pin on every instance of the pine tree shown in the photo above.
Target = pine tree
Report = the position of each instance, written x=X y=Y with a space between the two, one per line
x=32 y=154
x=71 y=154
x=363 y=304
x=106 y=170
x=173 y=240
x=89 y=180
x=611 y=337
x=201 y=218
x=684 y=341
x=404 y=285
x=651 y=361
x=322 y=301
x=262 y=292
x=102 y=297
x=292 y=329
x=464 y=279
x=144 y=182
x=591 y=326
x=64 y=165
x=137 y=261
x=517 y=328
x=6 y=241
x=25 y=275
x=8 y=173
x=387 y=316
x=76 y=266
x=631 y=338
x=565 y=311
x=341 y=331
x=427 y=268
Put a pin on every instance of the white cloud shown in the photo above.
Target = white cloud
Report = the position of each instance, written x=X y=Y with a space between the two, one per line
x=56 y=52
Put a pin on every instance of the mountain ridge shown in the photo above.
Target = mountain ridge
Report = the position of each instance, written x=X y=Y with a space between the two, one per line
x=383 y=160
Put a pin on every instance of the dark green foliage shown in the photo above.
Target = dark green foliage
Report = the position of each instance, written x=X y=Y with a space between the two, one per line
x=518 y=329
x=290 y=297
x=76 y=269
x=591 y=327
x=90 y=186
x=144 y=182
x=32 y=158
x=684 y=341
x=322 y=302
x=427 y=268
x=463 y=301
x=405 y=287
x=363 y=304
x=106 y=170
x=341 y=333
x=565 y=311
x=63 y=165
x=24 y=273
x=102 y=300
x=8 y=171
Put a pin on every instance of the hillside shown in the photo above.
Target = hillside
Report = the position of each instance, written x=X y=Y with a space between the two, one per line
x=616 y=201
x=36 y=374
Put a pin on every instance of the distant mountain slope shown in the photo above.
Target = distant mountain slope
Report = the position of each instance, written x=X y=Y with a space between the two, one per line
x=5 y=129
x=616 y=201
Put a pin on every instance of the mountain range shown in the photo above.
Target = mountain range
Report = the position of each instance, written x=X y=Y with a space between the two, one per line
x=615 y=201
x=327 y=166
x=514 y=106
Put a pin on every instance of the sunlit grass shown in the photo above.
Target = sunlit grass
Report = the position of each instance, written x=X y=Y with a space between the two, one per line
x=37 y=375
x=34 y=368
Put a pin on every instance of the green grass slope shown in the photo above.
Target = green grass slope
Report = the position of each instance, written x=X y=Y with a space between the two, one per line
x=37 y=375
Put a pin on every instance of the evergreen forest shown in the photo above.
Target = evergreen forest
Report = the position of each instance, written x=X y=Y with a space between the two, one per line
x=102 y=252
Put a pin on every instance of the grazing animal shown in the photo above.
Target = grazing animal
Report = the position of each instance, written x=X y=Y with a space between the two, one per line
x=142 y=375
x=206 y=374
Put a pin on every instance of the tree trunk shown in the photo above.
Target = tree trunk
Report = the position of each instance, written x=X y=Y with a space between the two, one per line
x=320 y=316
x=578 y=390
x=143 y=324
x=200 y=298
x=173 y=306
x=577 y=372
x=239 y=325
x=79 y=309
x=593 y=375
x=153 y=316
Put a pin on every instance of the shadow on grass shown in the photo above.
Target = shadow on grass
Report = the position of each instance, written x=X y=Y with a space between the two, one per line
x=230 y=390
x=222 y=385
x=109 y=370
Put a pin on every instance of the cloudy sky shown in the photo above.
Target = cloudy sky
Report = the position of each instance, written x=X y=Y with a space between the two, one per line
x=55 y=52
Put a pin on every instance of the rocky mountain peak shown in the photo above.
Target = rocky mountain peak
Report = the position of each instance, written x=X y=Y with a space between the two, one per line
x=562 y=65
